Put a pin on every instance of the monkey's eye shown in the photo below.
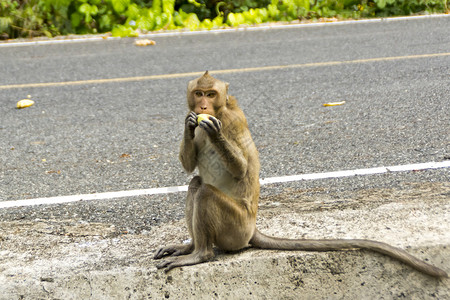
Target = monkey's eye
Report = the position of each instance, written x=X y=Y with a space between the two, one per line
x=211 y=94
x=199 y=93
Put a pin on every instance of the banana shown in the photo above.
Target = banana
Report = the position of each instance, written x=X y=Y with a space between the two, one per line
x=334 y=103
x=25 y=103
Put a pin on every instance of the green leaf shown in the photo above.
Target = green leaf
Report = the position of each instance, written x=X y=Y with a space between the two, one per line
x=178 y=19
x=235 y=19
x=122 y=31
x=217 y=21
x=75 y=19
x=120 y=6
x=263 y=13
x=47 y=33
x=94 y=10
x=240 y=19
x=104 y=23
x=84 y=8
x=133 y=11
x=207 y=24
x=192 y=22
x=158 y=22
x=156 y=6
x=304 y=3
x=165 y=18
x=168 y=6
x=274 y=12
x=381 y=3
x=231 y=19
x=195 y=3
x=5 y=22
x=249 y=16
x=88 y=11
x=145 y=23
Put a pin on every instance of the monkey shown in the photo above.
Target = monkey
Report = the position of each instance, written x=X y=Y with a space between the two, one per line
x=222 y=201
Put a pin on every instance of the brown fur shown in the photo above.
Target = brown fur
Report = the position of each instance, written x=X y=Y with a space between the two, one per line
x=222 y=201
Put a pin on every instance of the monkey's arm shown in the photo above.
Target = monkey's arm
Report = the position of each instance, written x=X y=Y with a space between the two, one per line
x=233 y=157
x=188 y=150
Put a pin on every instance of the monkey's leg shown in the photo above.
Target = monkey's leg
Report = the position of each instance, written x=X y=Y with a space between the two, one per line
x=216 y=219
x=176 y=250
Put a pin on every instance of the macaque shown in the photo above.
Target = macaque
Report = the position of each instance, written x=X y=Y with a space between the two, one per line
x=222 y=201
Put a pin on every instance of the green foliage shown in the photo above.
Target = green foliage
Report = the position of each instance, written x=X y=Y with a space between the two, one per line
x=29 y=18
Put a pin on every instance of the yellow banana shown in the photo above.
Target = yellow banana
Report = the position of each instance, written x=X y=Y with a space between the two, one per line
x=334 y=103
x=25 y=103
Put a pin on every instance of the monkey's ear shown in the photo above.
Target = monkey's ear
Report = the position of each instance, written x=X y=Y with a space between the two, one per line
x=226 y=86
x=206 y=73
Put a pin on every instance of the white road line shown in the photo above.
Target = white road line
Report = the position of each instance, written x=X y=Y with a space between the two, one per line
x=90 y=197
x=156 y=34
x=183 y=188
x=347 y=173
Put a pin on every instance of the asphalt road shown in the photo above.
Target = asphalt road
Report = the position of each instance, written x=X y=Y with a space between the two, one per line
x=110 y=136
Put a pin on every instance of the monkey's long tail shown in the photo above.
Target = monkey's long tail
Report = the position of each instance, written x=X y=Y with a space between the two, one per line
x=263 y=241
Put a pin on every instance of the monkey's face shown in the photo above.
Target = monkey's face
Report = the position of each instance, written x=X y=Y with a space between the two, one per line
x=207 y=95
x=205 y=101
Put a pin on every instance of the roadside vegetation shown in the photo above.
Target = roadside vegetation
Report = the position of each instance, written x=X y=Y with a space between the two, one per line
x=31 y=18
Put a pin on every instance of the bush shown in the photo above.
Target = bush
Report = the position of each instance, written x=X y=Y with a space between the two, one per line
x=29 y=18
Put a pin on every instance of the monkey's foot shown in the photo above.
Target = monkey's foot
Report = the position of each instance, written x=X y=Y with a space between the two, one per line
x=185 y=260
x=174 y=250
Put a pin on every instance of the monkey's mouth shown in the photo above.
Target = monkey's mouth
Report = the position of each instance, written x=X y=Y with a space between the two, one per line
x=203 y=112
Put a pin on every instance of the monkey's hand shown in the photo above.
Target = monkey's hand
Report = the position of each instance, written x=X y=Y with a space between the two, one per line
x=212 y=127
x=191 y=124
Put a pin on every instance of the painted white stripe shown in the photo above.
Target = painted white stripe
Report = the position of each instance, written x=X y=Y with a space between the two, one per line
x=347 y=173
x=97 y=38
x=183 y=188
x=89 y=197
